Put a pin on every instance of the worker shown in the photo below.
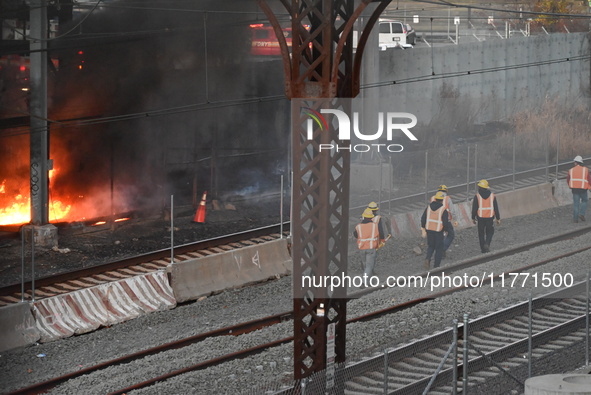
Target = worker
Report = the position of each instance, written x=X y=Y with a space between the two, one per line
x=373 y=206
x=484 y=210
x=579 y=182
x=434 y=222
x=368 y=234
x=448 y=236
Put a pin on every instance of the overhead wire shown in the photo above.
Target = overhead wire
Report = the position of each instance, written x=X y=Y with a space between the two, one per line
x=236 y=102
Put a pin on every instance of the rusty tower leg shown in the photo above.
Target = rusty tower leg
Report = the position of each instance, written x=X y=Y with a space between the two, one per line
x=321 y=67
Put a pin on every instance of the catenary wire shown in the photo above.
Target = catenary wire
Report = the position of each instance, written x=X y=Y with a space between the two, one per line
x=230 y=103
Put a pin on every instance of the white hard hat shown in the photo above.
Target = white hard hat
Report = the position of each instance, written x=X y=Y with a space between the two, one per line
x=578 y=159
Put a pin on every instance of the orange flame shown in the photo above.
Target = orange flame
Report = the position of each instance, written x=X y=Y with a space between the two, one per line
x=18 y=210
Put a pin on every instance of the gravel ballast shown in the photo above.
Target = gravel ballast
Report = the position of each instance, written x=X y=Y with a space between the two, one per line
x=28 y=365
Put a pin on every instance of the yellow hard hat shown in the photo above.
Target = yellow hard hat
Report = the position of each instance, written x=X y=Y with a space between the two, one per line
x=439 y=195
x=483 y=184
x=372 y=206
x=368 y=213
x=442 y=188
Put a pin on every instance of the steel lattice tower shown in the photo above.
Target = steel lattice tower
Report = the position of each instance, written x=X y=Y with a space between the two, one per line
x=321 y=68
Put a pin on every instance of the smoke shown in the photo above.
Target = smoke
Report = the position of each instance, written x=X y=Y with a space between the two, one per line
x=169 y=68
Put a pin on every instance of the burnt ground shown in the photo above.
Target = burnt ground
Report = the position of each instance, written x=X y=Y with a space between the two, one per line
x=81 y=246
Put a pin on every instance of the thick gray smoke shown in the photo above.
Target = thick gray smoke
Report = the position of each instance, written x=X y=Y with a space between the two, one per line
x=154 y=85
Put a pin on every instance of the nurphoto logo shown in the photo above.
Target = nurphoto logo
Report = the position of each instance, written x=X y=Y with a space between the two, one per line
x=392 y=122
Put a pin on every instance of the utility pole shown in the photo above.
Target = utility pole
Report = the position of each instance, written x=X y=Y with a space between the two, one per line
x=45 y=234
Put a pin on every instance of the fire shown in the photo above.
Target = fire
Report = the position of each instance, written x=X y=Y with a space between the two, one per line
x=18 y=209
x=18 y=212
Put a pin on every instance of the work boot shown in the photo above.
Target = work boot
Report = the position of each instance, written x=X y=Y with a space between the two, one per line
x=486 y=248
x=582 y=217
x=427 y=264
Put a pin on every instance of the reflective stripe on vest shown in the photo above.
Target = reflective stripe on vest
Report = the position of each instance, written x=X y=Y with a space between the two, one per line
x=367 y=235
x=376 y=219
x=435 y=219
x=486 y=208
x=579 y=177
x=445 y=202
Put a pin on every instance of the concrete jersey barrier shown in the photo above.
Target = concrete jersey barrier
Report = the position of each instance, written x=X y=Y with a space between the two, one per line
x=193 y=278
x=524 y=201
x=17 y=326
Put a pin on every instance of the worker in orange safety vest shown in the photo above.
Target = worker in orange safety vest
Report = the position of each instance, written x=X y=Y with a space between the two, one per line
x=448 y=236
x=368 y=234
x=373 y=206
x=434 y=221
x=579 y=182
x=484 y=211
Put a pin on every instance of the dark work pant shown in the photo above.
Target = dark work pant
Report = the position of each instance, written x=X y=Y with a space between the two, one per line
x=435 y=244
x=449 y=238
x=580 y=199
x=486 y=230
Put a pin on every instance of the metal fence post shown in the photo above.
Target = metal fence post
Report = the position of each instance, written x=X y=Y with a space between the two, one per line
x=475 y=167
x=514 y=147
x=547 y=154
x=465 y=360
x=587 y=324
x=32 y=264
x=529 y=339
x=381 y=180
x=426 y=176
x=468 y=175
x=171 y=228
x=22 y=264
x=385 y=372
x=557 y=152
x=455 y=363
x=390 y=185
x=281 y=209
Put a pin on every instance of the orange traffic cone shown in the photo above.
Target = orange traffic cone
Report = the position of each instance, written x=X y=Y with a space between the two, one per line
x=200 y=214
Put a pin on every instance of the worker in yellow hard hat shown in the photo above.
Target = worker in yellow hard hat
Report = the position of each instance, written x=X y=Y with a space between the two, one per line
x=451 y=210
x=484 y=211
x=368 y=234
x=373 y=206
x=435 y=221
x=579 y=182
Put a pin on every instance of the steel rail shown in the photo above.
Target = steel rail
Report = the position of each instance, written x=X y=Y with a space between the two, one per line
x=234 y=330
x=444 y=336
x=282 y=317
x=160 y=255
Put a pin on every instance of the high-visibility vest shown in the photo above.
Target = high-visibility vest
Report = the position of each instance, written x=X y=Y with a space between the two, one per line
x=435 y=219
x=579 y=177
x=445 y=202
x=367 y=235
x=486 y=207
x=376 y=219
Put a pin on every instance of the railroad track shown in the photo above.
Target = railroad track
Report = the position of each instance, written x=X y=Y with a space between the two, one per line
x=159 y=260
x=464 y=192
x=496 y=344
x=134 y=266
x=278 y=318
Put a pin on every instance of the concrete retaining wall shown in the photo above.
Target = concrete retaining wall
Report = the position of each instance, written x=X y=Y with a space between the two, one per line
x=484 y=96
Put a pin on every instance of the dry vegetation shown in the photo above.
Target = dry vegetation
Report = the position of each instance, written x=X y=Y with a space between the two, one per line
x=562 y=127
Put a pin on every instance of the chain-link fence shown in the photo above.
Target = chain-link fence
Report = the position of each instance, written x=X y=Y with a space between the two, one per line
x=440 y=362
x=504 y=161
